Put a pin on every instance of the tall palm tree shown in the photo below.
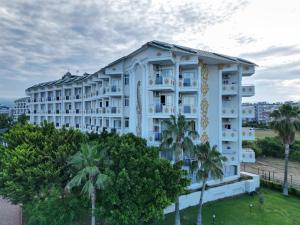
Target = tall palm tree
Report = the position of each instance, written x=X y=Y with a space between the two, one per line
x=87 y=162
x=177 y=137
x=210 y=161
x=286 y=121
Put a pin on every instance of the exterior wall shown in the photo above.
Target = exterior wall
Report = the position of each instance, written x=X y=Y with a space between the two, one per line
x=212 y=194
x=158 y=84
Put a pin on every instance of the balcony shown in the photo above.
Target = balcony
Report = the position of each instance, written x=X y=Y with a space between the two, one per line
x=155 y=137
x=161 y=83
x=247 y=90
x=248 y=112
x=115 y=110
x=188 y=110
x=229 y=113
x=229 y=135
x=248 y=134
x=188 y=84
x=248 y=70
x=229 y=89
x=248 y=155
x=160 y=109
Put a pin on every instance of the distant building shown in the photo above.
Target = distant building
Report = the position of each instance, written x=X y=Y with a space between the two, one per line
x=263 y=111
x=21 y=107
x=4 y=109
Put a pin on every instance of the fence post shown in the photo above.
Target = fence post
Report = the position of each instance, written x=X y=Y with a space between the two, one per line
x=273 y=175
x=291 y=180
x=269 y=175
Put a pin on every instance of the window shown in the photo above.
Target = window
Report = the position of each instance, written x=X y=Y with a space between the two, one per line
x=117 y=124
x=126 y=101
x=126 y=79
x=126 y=122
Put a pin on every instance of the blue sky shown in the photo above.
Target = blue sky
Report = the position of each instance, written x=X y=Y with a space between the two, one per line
x=42 y=40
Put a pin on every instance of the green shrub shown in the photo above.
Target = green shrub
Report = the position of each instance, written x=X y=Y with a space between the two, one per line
x=278 y=187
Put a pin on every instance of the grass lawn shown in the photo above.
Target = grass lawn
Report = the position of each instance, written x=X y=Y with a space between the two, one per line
x=262 y=133
x=277 y=210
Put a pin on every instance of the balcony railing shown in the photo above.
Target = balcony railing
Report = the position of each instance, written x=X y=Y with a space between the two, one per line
x=247 y=90
x=248 y=134
x=229 y=113
x=161 y=82
x=188 y=83
x=229 y=135
x=115 y=110
x=229 y=89
x=161 y=109
x=188 y=109
x=248 y=112
x=155 y=137
x=248 y=155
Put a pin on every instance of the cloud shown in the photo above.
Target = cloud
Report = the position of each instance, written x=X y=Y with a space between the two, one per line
x=40 y=41
x=273 y=51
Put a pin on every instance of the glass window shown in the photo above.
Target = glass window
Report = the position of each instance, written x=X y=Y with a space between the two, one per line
x=126 y=101
x=126 y=79
x=126 y=121
x=166 y=72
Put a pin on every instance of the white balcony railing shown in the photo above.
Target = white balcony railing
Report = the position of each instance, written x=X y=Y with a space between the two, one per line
x=229 y=89
x=229 y=113
x=161 y=109
x=248 y=134
x=187 y=110
x=248 y=155
x=229 y=135
x=247 y=90
x=155 y=137
x=248 y=112
x=188 y=83
x=161 y=82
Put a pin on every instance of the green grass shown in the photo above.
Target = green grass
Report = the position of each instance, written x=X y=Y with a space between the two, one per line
x=262 y=133
x=277 y=210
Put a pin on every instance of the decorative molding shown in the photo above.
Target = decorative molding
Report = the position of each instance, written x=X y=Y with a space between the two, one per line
x=204 y=102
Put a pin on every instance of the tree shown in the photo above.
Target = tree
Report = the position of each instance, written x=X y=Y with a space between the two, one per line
x=22 y=119
x=286 y=121
x=177 y=137
x=6 y=121
x=211 y=164
x=86 y=162
x=35 y=160
x=142 y=184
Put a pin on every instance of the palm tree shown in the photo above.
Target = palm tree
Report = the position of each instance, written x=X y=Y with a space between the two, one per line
x=87 y=162
x=211 y=164
x=177 y=136
x=286 y=121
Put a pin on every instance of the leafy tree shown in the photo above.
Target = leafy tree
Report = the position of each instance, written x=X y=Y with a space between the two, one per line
x=177 y=137
x=55 y=210
x=36 y=160
x=211 y=164
x=142 y=184
x=6 y=121
x=286 y=121
x=22 y=119
x=86 y=162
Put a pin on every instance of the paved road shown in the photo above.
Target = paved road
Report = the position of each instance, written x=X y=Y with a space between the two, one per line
x=9 y=214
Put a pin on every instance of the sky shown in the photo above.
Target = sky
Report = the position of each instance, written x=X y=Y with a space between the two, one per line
x=42 y=40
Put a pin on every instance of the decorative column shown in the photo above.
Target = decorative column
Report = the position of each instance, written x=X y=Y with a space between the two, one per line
x=204 y=103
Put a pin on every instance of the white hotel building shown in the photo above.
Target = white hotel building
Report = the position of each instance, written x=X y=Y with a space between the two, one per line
x=137 y=92
x=21 y=107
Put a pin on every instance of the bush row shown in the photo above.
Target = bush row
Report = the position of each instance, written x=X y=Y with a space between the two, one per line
x=278 y=187
x=272 y=146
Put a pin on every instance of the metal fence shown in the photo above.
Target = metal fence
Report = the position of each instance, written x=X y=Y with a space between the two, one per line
x=274 y=176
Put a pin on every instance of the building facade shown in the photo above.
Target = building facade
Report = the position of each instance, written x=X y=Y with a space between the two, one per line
x=137 y=92
x=21 y=107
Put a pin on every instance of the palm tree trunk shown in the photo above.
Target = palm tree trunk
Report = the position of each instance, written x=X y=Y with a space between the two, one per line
x=286 y=161
x=199 y=216
x=93 y=199
x=177 y=212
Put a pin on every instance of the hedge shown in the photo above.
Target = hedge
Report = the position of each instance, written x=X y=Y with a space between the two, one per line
x=278 y=187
